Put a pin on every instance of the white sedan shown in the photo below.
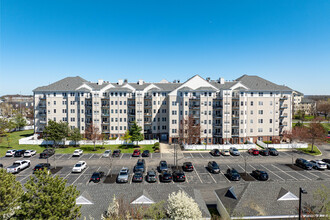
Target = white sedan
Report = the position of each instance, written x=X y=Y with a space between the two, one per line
x=318 y=164
x=10 y=153
x=107 y=153
x=77 y=153
x=79 y=167
x=225 y=152
x=29 y=153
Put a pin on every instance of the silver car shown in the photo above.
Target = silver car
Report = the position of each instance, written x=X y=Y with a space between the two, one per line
x=318 y=164
x=123 y=175
x=234 y=151
x=107 y=153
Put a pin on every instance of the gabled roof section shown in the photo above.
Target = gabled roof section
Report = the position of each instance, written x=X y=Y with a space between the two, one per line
x=257 y=83
x=66 y=84
x=206 y=88
x=194 y=83
x=81 y=200
x=285 y=195
x=151 y=86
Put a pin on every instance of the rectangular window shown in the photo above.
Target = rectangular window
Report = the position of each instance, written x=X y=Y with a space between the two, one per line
x=251 y=103
x=261 y=103
x=270 y=121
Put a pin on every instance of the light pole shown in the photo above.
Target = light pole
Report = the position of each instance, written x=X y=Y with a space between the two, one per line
x=301 y=191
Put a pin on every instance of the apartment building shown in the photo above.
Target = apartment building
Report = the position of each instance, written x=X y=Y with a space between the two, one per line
x=245 y=109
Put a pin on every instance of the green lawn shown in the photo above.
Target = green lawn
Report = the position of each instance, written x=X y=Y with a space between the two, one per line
x=308 y=150
x=15 y=136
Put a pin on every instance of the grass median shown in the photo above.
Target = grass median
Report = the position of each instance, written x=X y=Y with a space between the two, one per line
x=309 y=151
x=15 y=136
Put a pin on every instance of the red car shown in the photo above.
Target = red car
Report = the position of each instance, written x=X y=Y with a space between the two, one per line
x=136 y=153
x=253 y=151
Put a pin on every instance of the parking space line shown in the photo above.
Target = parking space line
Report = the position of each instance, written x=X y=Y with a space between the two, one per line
x=225 y=176
x=303 y=175
x=101 y=156
x=213 y=177
x=61 y=156
x=67 y=175
x=315 y=174
x=121 y=156
x=284 y=172
x=25 y=177
x=80 y=175
x=198 y=176
x=191 y=155
x=324 y=173
x=241 y=167
x=91 y=156
x=109 y=172
x=285 y=153
x=272 y=172
x=130 y=182
x=151 y=155
x=201 y=155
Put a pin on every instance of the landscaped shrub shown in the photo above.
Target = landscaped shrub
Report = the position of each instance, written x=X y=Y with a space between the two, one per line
x=156 y=144
x=267 y=142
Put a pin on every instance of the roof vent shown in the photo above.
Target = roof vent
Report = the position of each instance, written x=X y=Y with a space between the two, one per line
x=125 y=81
x=100 y=81
x=286 y=195
x=174 y=81
x=222 y=80
x=178 y=81
x=230 y=193
x=140 y=82
x=120 y=82
x=208 y=79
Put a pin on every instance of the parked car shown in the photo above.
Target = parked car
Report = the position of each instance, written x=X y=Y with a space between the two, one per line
x=41 y=166
x=30 y=153
x=1 y=165
x=10 y=153
x=18 y=166
x=233 y=151
x=19 y=153
x=47 y=153
x=106 y=153
x=96 y=177
x=187 y=166
x=145 y=153
x=166 y=176
x=163 y=166
x=273 y=151
x=300 y=162
x=79 y=167
x=140 y=166
x=179 y=176
x=327 y=161
x=233 y=175
x=264 y=152
x=77 y=153
x=116 y=153
x=318 y=164
x=215 y=152
x=151 y=176
x=260 y=175
x=225 y=152
x=253 y=151
x=138 y=176
x=136 y=153
x=123 y=175
x=213 y=167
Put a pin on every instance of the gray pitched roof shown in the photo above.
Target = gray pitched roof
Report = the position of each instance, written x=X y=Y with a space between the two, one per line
x=205 y=89
x=139 y=87
x=257 y=83
x=168 y=86
x=66 y=84
x=261 y=198
x=226 y=85
x=119 y=89
x=96 y=86
x=102 y=194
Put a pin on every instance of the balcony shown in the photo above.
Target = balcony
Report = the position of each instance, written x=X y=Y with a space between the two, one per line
x=148 y=106
x=217 y=106
x=235 y=107
x=42 y=122
x=282 y=98
x=131 y=114
x=105 y=122
x=105 y=114
x=218 y=115
x=105 y=106
x=42 y=105
x=194 y=106
x=217 y=125
x=284 y=115
x=235 y=135
x=283 y=106
x=42 y=113
x=235 y=116
x=89 y=114
x=148 y=97
x=43 y=98
x=194 y=98
x=131 y=104
x=235 y=125
x=147 y=122
x=147 y=115
x=283 y=124
x=195 y=116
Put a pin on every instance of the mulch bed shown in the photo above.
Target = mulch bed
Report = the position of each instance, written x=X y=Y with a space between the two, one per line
x=53 y=170
x=294 y=167
x=247 y=177
x=110 y=179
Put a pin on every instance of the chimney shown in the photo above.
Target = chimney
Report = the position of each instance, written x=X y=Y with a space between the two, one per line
x=120 y=82
x=125 y=81
x=208 y=79
x=140 y=82
x=100 y=81
x=221 y=80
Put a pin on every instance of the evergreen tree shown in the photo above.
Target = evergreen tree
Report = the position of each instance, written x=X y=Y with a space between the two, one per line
x=10 y=192
x=135 y=132
x=56 y=131
x=19 y=121
x=75 y=136
x=48 y=197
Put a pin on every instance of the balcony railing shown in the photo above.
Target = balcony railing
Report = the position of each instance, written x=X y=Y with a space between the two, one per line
x=283 y=98
x=283 y=124
x=42 y=106
x=235 y=125
x=105 y=114
x=235 y=106
x=218 y=115
x=283 y=106
x=43 y=122
x=235 y=116
x=194 y=106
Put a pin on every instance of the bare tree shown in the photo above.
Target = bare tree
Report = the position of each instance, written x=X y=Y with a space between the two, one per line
x=323 y=107
x=92 y=133
x=189 y=131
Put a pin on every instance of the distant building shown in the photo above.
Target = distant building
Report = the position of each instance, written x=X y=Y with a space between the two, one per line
x=301 y=103
x=245 y=109
x=20 y=103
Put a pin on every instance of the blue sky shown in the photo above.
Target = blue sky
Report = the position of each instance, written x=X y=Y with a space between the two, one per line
x=287 y=42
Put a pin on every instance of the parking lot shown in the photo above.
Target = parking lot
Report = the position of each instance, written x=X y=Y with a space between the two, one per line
x=279 y=168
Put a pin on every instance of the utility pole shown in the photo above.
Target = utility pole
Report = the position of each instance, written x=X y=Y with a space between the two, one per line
x=301 y=191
